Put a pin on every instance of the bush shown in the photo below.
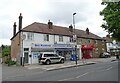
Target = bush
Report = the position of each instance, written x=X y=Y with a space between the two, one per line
x=10 y=62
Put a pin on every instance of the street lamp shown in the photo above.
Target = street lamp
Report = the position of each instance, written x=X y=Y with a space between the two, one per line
x=75 y=37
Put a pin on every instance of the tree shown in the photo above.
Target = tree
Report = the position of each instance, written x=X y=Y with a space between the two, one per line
x=111 y=18
x=5 y=50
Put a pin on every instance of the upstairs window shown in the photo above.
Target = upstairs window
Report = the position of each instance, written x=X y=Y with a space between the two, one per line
x=71 y=39
x=46 y=37
x=88 y=40
x=26 y=49
x=60 y=38
x=95 y=41
x=30 y=36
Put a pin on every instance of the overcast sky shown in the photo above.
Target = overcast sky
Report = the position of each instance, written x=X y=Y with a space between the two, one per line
x=58 y=11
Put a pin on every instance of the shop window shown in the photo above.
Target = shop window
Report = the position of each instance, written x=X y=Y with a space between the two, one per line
x=60 y=38
x=46 y=37
x=30 y=36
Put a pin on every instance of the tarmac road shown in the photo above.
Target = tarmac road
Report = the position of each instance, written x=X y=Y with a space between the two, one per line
x=107 y=71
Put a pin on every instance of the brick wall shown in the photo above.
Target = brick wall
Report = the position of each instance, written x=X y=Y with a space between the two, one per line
x=15 y=47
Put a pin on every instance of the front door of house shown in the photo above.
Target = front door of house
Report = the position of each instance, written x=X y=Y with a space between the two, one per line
x=26 y=57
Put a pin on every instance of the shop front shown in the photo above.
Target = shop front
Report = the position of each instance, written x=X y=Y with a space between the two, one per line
x=62 y=49
x=87 y=51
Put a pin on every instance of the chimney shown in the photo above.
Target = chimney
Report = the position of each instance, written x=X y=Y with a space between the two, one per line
x=50 y=25
x=71 y=28
x=14 y=29
x=20 y=22
x=108 y=36
x=87 y=31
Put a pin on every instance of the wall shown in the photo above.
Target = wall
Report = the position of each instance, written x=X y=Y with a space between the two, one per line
x=39 y=39
x=15 y=47
x=99 y=45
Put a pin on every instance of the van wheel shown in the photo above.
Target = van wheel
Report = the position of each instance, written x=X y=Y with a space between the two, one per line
x=47 y=62
x=62 y=61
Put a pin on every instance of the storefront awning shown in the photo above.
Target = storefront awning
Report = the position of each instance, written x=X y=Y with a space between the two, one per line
x=87 y=47
x=64 y=49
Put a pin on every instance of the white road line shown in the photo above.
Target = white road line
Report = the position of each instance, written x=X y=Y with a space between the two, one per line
x=82 y=75
x=66 y=79
x=33 y=67
x=109 y=68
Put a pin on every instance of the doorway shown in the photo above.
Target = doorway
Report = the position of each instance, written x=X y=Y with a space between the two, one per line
x=26 y=57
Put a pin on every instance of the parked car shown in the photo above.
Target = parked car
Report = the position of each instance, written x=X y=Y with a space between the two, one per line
x=105 y=55
x=50 y=57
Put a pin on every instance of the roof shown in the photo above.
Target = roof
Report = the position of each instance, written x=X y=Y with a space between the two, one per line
x=108 y=40
x=57 y=30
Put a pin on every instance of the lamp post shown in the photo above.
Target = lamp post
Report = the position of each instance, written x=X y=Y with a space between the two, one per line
x=75 y=37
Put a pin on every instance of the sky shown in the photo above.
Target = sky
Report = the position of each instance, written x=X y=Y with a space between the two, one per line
x=60 y=12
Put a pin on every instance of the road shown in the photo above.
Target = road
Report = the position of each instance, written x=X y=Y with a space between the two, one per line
x=107 y=71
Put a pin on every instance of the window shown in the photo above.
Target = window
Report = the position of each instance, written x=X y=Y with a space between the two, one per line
x=103 y=42
x=60 y=38
x=95 y=41
x=46 y=37
x=71 y=39
x=48 y=55
x=88 y=40
x=26 y=49
x=30 y=36
x=97 y=50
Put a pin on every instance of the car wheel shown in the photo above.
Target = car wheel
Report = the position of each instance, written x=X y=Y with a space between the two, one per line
x=62 y=61
x=48 y=62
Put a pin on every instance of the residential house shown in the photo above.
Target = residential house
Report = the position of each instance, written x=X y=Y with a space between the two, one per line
x=112 y=45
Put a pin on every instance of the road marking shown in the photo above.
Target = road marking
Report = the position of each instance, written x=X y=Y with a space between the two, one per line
x=109 y=68
x=66 y=79
x=82 y=75
x=33 y=67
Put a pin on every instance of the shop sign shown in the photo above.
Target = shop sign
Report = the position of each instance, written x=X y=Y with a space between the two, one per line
x=52 y=45
x=42 y=45
x=62 y=46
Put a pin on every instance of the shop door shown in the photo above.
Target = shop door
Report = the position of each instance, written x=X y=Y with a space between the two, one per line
x=26 y=57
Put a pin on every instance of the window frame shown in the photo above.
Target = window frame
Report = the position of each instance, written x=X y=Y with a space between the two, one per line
x=46 y=37
x=30 y=36
x=71 y=39
x=60 y=38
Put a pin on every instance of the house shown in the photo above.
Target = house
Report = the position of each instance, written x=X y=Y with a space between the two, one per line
x=35 y=38
x=109 y=43
x=112 y=45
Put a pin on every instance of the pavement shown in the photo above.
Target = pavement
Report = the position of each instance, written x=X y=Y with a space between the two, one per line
x=69 y=64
